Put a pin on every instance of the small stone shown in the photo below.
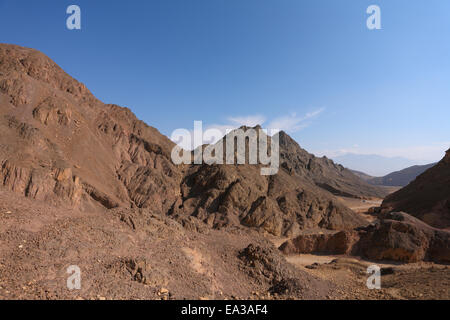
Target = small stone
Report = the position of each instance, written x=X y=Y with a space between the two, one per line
x=164 y=291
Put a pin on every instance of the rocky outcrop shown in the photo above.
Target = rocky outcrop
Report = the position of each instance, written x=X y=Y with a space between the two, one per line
x=267 y=265
x=38 y=183
x=427 y=197
x=341 y=242
x=396 y=237
x=401 y=237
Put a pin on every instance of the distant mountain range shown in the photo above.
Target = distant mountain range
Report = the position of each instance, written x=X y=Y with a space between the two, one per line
x=373 y=165
x=399 y=178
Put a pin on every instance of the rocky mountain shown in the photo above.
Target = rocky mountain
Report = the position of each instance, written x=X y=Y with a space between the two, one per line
x=427 y=197
x=300 y=196
x=60 y=144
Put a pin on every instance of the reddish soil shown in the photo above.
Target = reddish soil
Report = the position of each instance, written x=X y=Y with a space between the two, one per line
x=133 y=254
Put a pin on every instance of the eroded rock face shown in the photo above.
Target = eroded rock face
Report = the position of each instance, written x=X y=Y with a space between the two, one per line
x=59 y=143
x=280 y=204
x=395 y=237
x=401 y=237
x=341 y=242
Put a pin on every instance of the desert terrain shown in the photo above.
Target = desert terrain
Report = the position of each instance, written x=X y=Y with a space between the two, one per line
x=131 y=254
x=87 y=184
x=400 y=281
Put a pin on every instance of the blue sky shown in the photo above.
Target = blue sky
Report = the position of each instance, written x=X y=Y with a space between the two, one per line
x=310 y=67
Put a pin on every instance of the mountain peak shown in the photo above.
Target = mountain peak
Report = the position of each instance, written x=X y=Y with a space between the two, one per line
x=21 y=66
x=245 y=127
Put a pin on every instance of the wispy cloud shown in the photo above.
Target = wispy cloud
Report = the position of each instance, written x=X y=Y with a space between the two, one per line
x=250 y=121
x=294 y=123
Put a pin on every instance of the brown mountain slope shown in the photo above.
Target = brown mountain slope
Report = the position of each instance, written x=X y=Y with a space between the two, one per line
x=427 y=197
x=60 y=144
